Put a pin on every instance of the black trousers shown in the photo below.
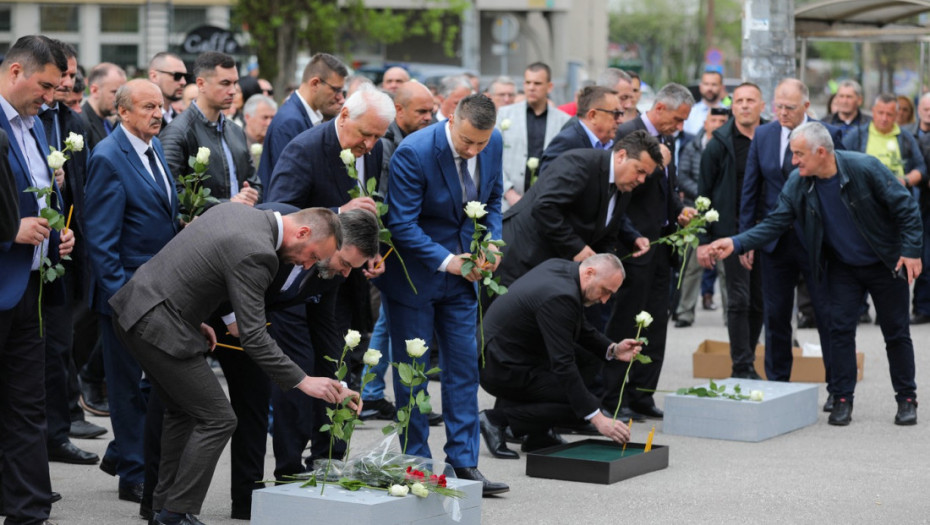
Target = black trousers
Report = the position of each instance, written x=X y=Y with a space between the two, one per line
x=744 y=312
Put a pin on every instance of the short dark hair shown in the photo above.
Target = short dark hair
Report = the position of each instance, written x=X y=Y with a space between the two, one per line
x=590 y=97
x=712 y=72
x=360 y=229
x=34 y=52
x=68 y=50
x=100 y=71
x=79 y=84
x=633 y=74
x=208 y=61
x=639 y=141
x=539 y=66
x=748 y=84
x=477 y=109
x=160 y=57
x=321 y=65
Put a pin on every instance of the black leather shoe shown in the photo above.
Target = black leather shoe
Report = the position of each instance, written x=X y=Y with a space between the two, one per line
x=241 y=511
x=188 y=519
x=534 y=442
x=681 y=323
x=651 y=411
x=108 y=465
x=93 y=398
x=146 y=512
x=494 y=438
x=625 y=414
x=81 y=429
x=488 y=487
x=907 y=412
x=920 y=319
x=746 y=374
x=55 y=498
x=131 y=492
x=842 y=411
x=708 y=302
x=67 y=452
x=828 y=406
x=378 y=409
x=510 y=438
x=434 y=419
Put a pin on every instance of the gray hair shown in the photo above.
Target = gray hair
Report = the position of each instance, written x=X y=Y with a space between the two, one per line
x=673 y=96
x=450 y=83
x=612 y=76
x=815 y=134
x=604 y=261
x=925 y=96
x=353 y=82
x=360 y=229
x=368 y=97
x=798 y=85
x=886 y=98
x=477 y=109
x=254 y=101
x=849 y=83
x=503 y=80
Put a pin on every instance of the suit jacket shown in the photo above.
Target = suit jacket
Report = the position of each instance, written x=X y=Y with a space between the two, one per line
x=540 y=324
x=426 y=214
x=16 y=259
x=654 y=206
x=310 y=173
x=226 y=255
x=93 y=126
x=290 y=120
x=73 y=192
x=515 y=143
x=764 y=178
x=564 y=212
x=572 y=136
x=130 y=216
x=9 y=200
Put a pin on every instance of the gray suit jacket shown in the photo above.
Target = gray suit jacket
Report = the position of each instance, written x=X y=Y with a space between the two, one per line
x=226 y=255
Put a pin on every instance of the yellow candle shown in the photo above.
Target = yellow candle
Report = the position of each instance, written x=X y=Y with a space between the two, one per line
x=68 y=222
x=649 y=439
x=229 y=346
x=383 y=258
x=630 y=426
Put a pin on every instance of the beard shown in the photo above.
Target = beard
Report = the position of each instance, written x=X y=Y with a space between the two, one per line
x=324 y=270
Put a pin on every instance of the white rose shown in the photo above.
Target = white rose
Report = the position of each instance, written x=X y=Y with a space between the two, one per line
x=702 y=203
x=532 y=163
x=398 y=490
x=712 y=215
x=505 y=124
x=348 y=158
x=353 y=338
x=416 y=347
x=755 y=395
x=56 y=159
x=256 y=150
x=475 y=210
x=418 y=489
x=892 y=145
x=203 y=156
x=371 y=357
x=75 y=141
x=643 y=318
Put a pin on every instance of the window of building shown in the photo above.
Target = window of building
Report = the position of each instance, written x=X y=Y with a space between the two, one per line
x=120 y=54
x=183 y=19
x=59 y=18
x=119 y=19
x=6 y=23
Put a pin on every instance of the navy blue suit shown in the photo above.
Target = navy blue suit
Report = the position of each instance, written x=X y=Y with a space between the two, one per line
x=783 y=260
x=290 y=120
x=572 y=136
x=427 y=220
x=130 y=217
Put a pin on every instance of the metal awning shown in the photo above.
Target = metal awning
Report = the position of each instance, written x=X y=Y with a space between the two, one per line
x=862 y=20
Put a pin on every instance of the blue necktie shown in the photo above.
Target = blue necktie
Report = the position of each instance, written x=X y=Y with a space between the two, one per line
x=159 y=180
x=471 y=192
x=787 y=166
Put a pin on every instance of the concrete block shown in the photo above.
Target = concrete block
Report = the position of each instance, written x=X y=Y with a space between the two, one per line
x=785 y=407
x=292 y=504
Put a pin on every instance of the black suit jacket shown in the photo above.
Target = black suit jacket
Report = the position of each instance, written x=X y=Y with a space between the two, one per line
x=562 y=213
x=572 y=136
x=655 y=206
x=93 y=126
x=540 y=324
x=9 y=198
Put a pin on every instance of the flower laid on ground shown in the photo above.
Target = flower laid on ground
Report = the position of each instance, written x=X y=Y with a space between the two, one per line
x=755 y=395
x=398 y=490
x=643 y=319
x=482 y=254
x=533 y=164
x=48 y=272
x=371 y=357
x=193 y=197
x=411 y=375
x=715 y=390
x=419 y=490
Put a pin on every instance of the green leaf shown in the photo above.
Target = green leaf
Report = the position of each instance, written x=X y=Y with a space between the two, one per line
x=370 y=185
x=683 y=391
x=402 y=416
x=341 y=373
x=713 y=386
x=325 y=428
x=467 y=267
x=405 y=372
x=387 y=429
x=641 y=358
x=434 y=370
x=330 y=359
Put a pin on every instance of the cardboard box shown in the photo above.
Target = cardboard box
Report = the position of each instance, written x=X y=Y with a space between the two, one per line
x=594 y=461
x=784 y=407
x=712 y=360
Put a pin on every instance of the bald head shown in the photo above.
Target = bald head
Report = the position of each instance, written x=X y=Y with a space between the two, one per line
x=394 y=77
x=139 y=104
x=414 y=104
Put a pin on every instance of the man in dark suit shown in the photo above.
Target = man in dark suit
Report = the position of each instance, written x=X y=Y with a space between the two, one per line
x=784 y=260
x=9 y=205
x=544 y=357
x=599 y=115
x=132 y=210
x=103 y=80
x=654 y=209
x=432 y=178
x=230 y=254
x=31 y=70
x=318 y=98
x=577 y=209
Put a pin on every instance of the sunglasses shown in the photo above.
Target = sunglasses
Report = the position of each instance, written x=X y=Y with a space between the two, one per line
x=177 y=76
x=617 y=113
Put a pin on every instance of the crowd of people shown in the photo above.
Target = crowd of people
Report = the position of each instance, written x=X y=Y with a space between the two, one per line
x=286 y=258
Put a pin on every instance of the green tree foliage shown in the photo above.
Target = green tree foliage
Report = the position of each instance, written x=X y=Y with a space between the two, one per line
x=280 y=28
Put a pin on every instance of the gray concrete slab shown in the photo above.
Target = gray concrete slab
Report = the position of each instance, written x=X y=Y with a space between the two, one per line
x=869 y=472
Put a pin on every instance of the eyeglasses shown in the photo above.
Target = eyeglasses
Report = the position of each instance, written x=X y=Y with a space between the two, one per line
x=268 y=92
x=617 y=113
x=335 y=88
x=176 y=74
x=785 y=107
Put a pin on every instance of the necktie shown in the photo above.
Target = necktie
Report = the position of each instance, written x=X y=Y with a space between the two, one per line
x=153 y=165
x=471 y=192
x=787 y=166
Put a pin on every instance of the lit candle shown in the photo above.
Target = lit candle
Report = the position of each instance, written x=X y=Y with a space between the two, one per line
x=649 y=439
